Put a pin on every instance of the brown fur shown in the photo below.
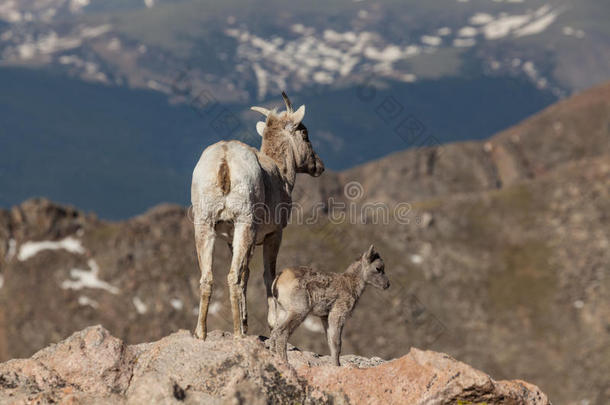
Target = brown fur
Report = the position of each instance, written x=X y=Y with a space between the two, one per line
x=331 y=296
x=286 y=279
x=224 y=177
x=285 y=151
x=274 y=144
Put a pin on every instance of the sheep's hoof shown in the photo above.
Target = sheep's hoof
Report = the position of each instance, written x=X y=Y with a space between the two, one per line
x=238 y=334
x=200 y=333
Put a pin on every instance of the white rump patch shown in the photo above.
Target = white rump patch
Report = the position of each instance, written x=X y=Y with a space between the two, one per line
x=31 y=249
x=88 y=279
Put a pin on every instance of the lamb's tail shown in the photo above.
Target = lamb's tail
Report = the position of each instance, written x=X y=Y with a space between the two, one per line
x=274 y=314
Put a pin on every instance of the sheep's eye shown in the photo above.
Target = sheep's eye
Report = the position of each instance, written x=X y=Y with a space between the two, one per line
x=304 y=135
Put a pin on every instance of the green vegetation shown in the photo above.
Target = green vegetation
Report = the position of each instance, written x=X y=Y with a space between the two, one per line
x=524 y=283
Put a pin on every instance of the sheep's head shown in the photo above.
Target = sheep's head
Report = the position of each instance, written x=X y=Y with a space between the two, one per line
x=284 y=133
x=373 y=269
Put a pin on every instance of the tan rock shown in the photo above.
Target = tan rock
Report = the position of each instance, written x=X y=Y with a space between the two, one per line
x=92 y=367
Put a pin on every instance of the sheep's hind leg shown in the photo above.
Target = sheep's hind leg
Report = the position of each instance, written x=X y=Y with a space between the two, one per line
x=336 y=320
x=282 y=332
x=204 y=239
x=243 y=243
x=324 y=320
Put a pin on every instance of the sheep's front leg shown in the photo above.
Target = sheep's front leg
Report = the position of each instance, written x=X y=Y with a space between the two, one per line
x=271 y=247
x=336 y=320
x=243 y=243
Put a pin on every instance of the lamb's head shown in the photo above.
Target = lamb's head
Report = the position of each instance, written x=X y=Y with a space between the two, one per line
x=285 y=134
x=373 y=269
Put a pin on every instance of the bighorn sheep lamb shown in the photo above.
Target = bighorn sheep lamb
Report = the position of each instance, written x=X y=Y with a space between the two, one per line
x=243 y=195
x=331 y=296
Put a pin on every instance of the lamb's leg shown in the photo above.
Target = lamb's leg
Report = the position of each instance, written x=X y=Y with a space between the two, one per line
x=282 y=332
x=204 y=239
x=280 y=315
x=243 y=243
x=336 y=321
x=325 y=326
x=271 y=247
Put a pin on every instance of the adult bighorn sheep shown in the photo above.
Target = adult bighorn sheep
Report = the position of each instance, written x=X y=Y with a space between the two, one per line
x=243 y=195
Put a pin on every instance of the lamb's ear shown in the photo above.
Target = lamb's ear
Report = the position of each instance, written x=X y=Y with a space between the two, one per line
x=369 y=253
x=298 y=115
x=260 y=127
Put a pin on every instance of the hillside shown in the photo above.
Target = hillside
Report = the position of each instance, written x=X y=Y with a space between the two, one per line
x=501 y=261
x=570 y=130
x=130 y=91
x=134 y=150
x=239 y=52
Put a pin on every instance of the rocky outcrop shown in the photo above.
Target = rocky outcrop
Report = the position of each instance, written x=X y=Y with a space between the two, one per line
x=93 y=367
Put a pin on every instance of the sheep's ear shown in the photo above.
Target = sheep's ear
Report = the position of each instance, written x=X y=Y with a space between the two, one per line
x=369 y=253
x=298 y=115
x=260 y=127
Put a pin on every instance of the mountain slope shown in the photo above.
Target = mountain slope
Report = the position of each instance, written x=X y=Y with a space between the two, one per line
x=559 y=45
x=509 y=276
x=453 y=70
x=570 y=130
x=134 y=150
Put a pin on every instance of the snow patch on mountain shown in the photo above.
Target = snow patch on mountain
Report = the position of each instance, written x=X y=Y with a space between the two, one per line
x=88 y=279
x=141 y=307
x=86 y=301
x=518 y=25
x=31 y=249
x=573 y=32
x=321 y=57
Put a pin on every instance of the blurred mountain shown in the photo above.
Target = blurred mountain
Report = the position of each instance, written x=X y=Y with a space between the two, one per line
x=497 y=250
x=238 y=48
x=90 y=81
x=118 y=151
